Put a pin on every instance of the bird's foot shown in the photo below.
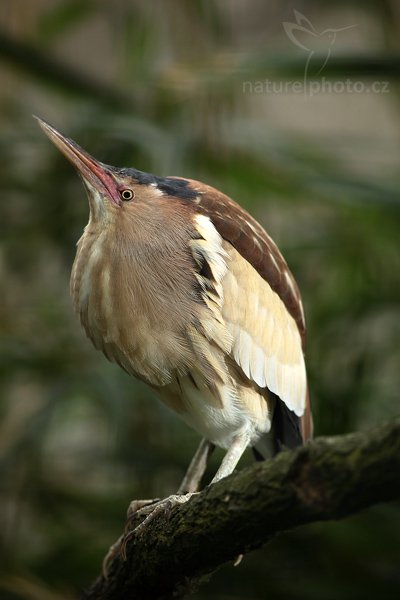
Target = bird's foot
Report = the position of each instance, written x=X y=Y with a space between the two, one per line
x=117 y=549
x=142 y=512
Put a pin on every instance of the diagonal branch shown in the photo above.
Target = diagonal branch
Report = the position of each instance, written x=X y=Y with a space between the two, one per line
x=328 y=479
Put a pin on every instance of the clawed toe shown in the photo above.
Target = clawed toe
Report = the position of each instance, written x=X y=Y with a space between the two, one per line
x=140 y=513
x=148 y=509
x=139 y=505
x=119 y=547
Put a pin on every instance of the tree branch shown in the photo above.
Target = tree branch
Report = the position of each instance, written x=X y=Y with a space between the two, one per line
x=328 y=479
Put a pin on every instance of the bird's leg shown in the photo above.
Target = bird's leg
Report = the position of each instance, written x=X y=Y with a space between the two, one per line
x=190 y=482
x=232 y=456
x=189 y=485
x=197 y=467
x=151 y=508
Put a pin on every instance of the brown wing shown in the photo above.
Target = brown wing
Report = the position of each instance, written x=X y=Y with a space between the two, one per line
x=246 y=235
x=241 y=230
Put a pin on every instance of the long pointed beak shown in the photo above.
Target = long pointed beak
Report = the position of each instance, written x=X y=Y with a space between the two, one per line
x=91 y=170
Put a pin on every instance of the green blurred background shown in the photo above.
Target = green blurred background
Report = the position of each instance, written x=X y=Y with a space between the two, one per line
x=179 y=87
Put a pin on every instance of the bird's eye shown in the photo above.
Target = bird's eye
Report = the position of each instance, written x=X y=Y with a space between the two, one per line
x=126 y=194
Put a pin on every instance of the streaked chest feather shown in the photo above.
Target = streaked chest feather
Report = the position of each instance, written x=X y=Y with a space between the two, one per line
x=131 y=309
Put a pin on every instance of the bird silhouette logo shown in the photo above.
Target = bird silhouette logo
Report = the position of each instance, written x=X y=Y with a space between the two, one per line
x=303 y=34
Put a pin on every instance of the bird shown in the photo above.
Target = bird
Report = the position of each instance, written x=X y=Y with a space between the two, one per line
x=183 y=289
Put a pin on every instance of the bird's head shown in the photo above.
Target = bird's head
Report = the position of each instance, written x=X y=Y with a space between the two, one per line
x=116 y=193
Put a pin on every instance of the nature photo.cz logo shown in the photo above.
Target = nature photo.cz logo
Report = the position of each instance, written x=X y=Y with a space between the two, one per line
x=318 y=44
x=319 y=47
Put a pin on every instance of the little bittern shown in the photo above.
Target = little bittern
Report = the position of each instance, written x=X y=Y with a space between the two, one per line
x=182 y=288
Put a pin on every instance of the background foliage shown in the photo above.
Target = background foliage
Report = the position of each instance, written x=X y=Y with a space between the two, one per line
x=160 y=86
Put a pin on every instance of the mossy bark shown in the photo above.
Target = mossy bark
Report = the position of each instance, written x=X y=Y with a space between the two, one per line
x=328 y=479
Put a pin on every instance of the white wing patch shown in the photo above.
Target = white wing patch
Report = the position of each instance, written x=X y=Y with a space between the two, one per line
x=266 y=341
x=209 y=248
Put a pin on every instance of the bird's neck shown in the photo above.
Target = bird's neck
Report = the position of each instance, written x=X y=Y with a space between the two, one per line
x=133 y=290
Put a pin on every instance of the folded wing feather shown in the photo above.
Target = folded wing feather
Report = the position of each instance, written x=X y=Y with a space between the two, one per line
x=266 y=340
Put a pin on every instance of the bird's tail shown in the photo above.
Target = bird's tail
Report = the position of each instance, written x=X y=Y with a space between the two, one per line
x=285 y=432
